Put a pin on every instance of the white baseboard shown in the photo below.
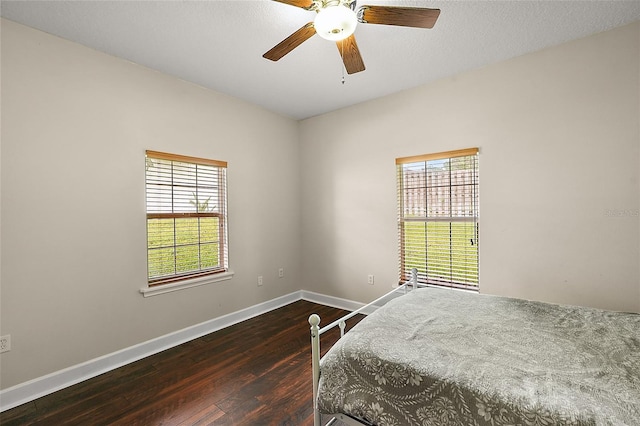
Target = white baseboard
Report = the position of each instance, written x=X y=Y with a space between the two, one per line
x=335 y=302
x=347 y=305
x=41 y=386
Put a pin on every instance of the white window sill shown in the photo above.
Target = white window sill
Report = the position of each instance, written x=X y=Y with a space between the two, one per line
x=195 y=282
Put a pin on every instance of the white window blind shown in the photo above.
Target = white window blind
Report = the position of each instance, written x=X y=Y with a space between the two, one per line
x=438 y=218
x=186 y=217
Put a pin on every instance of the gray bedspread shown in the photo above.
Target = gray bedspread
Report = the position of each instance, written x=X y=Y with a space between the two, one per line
x=443 y=357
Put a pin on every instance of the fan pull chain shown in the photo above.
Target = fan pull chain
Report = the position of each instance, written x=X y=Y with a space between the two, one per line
x=342 y=55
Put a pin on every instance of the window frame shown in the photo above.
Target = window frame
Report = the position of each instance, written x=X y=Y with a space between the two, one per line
x=199 y=276
x=424 y=276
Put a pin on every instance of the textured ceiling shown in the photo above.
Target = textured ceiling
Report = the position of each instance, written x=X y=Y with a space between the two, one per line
x=219 y=44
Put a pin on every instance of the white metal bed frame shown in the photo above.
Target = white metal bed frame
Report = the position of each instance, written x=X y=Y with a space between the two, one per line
x=316 y=332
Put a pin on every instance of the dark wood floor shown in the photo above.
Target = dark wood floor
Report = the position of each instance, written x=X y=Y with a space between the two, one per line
x=257 y=372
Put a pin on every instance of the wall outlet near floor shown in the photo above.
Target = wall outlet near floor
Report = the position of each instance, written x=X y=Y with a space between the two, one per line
x=259 y=280
x=5 y=343
x=370 y=279
x=280 y=272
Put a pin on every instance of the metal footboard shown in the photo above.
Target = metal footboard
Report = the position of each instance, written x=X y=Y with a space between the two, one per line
x=316 y=332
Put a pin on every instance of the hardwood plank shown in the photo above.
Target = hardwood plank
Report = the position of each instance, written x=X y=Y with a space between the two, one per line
x=254 y=372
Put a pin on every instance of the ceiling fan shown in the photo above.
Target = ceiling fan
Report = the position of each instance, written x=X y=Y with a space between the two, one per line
x=337 y=19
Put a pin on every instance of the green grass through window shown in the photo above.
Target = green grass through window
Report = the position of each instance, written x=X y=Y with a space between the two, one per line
x=178 y=246
x=442 y=251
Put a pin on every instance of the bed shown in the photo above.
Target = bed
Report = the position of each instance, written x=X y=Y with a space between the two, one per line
x=444 y=357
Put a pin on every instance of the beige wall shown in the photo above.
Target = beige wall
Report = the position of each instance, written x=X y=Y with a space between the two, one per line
x=559 y=138
x=75 y=126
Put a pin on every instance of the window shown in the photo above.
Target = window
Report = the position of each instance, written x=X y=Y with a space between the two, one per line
x=186 y=217
x=438 y=218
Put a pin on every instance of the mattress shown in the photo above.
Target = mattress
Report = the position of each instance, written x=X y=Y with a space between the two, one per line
x=445 y=357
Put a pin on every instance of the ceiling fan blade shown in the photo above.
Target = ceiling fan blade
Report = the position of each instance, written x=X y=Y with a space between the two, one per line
x=404 y=16
x=291 y=42
x=305 y=4
x=350 y=53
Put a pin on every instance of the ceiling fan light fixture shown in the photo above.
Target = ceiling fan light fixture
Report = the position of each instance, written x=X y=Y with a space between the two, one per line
x=335 y=22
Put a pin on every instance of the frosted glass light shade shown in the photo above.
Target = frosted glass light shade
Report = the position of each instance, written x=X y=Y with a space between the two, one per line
x=335 y=22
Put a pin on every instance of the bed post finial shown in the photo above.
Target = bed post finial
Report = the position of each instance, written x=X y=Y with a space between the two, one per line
x=414 y=278
x=314 y=320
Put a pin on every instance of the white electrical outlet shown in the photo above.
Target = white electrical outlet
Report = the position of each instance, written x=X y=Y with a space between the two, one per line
x=370 y=279
x=259 y=280
x=280 y=272
x=5 y=343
